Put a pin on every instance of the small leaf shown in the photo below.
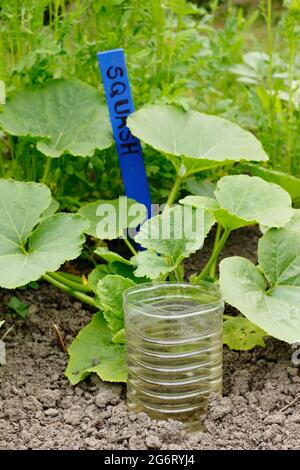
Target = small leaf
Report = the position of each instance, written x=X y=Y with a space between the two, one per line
x=239 y=333
x=110 y=218
x=149 y=264
x=96 y=274
x=198 y=141
x=116 y=268
x=64 y=116
x=110 y=256
x=18 y=307
x=119 y=337
x=93 y=351
x=176 y=233
x=127 y=271
x=110 y=292
x=2 y=323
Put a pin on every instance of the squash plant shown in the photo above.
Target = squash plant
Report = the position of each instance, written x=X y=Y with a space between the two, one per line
x=35 y=241
x=267 y=295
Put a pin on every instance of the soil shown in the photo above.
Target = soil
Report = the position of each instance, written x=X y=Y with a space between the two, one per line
x=39 y=409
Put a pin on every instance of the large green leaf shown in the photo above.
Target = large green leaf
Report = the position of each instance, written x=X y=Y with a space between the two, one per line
x=245 y=200
x=110 y=292
x=93 y=351
x=241 y=334
x=268 y=295
x=28 y=249
x=64 y=116
x=198 y=141
x=110 y=218
x=288 y=182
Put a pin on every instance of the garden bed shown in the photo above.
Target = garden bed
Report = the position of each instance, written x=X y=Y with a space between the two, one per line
x=39 y=409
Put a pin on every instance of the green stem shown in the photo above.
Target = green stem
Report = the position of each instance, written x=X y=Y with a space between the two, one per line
x=46 y=170
x=72 y=277
x=212 y=272
x=290 y=106
x=270 y=68
x=33 y=166
x=2 y=167
x=214 y=256
x=172 y=277
x=179 y=273
x=60 y=277
x=56 y=18
x=173 y=193
x=130 y=246
x=11 y=144
x=78 y=295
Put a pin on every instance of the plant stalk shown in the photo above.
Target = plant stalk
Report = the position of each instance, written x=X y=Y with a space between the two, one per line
x=173 y=193
x=212 y=272
x=78 y=295
x=46 y=170
x=214 y=256
x=179 y=273
x=290 y=108
x=270 y=52
x=130 y=246
x=60 y=277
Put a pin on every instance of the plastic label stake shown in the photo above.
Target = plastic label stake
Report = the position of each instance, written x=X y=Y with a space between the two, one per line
x=120 y=105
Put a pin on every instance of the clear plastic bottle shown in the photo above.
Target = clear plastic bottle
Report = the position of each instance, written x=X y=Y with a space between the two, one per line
x=174 y=349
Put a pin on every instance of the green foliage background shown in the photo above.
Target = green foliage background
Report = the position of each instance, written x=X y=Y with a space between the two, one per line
x=177 y=52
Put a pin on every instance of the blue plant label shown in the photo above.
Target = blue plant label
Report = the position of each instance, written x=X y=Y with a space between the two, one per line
x=120 y=105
